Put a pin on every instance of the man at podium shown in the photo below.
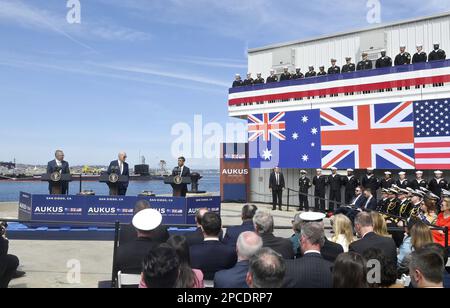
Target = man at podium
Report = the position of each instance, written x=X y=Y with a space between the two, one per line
x=182 y=171
x=61 y=166
x=120 y=167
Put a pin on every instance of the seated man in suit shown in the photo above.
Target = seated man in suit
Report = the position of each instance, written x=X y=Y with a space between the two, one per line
x=120 y=167
x=266 y=270
x=248 y=244
x=264 y=227
x=311 y=270
x=131 y=255
x=8 y=263
x=59 y=164
x=196 y=237
x=128 y=233
x=368 y=238
x=359 y=199
x=212 y=255
x=371 y=200
x=248 y=212
x=182 y=171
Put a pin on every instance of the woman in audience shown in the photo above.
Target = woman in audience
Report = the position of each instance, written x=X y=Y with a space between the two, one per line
x=295 y=238
x=428 y=211
x=443 y=220
x=379 y=224
x=405 y=248
x=388 y=270
x=188 y=278
x=350 y=271
x=343 y=231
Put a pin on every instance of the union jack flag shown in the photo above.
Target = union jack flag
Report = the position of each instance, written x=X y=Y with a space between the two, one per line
x=379 y=136
x=266 y=127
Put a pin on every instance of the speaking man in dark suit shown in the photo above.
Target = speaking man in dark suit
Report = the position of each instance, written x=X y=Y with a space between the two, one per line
x=60 y=165
x=368 y=238
x=277 y=185
x=120 y=167
x=212 y=255
x=311 y=270
x=248 y=212
x=264 y=227
x=248 y=244
x=182 y=171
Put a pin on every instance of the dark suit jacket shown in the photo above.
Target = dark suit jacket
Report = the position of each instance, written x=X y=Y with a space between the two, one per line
x=128 y=234
x=211 y=257
x=372 y=240
x=126 y=171
x=4 y=246
x=310 y=271
x=65 y=169
x=197 y=237
x=360 y=202
x=273 y=181
x=131 y=255
x=186 y=172
x=233 y=278
x=233 y=233
x=281 y=245
x=330 y=250
x=371 y=204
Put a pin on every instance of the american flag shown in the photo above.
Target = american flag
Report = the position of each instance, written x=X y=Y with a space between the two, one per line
x=432 y=134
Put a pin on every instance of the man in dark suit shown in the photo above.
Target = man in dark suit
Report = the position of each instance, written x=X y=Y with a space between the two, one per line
x=212 y=255
x=182 y=171
x=371 y=200
x=264 y=227
x=277 y=185
x=359 y=201
x=335 y=182
x=248 y=212
x=196 y=237
x=131 y=255
x=350 y=183
x=120 y=167
x=320 y=183
x=59 y=165
x=248 y=244
x=128 y=233
x=8 y=263
x=368 y=238
x=311 y=270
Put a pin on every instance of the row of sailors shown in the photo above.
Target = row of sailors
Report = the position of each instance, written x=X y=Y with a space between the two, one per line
x=403 y=58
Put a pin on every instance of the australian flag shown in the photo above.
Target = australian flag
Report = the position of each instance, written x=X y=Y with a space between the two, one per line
x=285 y=139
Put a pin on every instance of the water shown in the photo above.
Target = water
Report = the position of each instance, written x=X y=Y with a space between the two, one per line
x=9 y=191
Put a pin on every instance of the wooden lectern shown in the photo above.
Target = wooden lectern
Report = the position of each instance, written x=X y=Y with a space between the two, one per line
x=178 y=183
x=113 y=181
x=57 y=181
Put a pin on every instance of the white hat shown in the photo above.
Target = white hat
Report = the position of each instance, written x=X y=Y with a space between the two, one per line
x=312 y=216
x=419 y=172
x=370 y=169
x=286 y=67
x=334 y=168
x=238 y=75
x=147 y=220
x=436 y=43
x=303 y=171
x=402 y=46
x=438 y=172
x=383 y=50
x=419 y=45
x=319 y=170
x=350 y=170
x=402 y=173
x=388 y=173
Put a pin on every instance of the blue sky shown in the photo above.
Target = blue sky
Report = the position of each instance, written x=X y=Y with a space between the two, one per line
x=132 y=69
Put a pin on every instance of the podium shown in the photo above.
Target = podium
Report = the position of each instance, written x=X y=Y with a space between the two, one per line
x=177 y=182
x=113 y=181
x=57 y=181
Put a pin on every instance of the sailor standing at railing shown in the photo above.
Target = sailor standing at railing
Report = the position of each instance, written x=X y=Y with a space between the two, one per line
x=437 y=54
x=350 y=183
x=259 y=79
x=418 y=181
x=304 y=184
x=348 y=66
x=272 y=78
x=403 y=58
x=365 y=63
x=334 y=69
x=420 y=56
x=384 y=60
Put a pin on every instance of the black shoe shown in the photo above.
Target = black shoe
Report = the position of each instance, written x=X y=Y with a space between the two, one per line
x=18 y=274
x=274 y=209
x=280 y=209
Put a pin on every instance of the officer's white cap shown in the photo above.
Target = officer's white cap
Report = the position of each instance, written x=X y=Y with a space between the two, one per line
x=388 y=173
x=147 y=220
x=402 y=173
x=438 y=172
x=312 y=216
x=419 y=172
x=350 y=170
x=334 y=168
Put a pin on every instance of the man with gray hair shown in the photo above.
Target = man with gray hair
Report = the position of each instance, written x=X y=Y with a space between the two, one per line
x=248 y=244
x=120 y=167
x=59 y=165
x=266 y=270
x=311 y=270
x=264 y=227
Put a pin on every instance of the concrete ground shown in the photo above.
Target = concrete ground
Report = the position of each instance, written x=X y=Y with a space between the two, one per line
x=51 y=264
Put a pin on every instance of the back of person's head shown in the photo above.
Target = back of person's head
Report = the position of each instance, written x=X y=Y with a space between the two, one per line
x=211 y=224
x=388 y=269
x=379 y=224
x=186 y=277
x=141 y=205
x=426 y=268
x=342 y=225
x=199 y=215
x=350 y=271
x=249 y=211
x=263 y=222
x=266 y=270
x=441 y=250
x=420 y=235
x=248 y=244
x=161 y=267
x=364 y=220
x=312 y=234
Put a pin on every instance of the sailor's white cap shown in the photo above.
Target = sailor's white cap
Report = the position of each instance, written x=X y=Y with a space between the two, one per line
x=402 y=173
x=147 y=220
x=388 y=173
x=438 y=172
x=350 y=170
x=334 y=168
x=312 y=216
x=402 y=45
x=419 y=172
x=419 y=45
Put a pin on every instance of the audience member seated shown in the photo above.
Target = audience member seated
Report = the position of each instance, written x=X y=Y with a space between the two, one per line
x=370 y=200
x=405 y=248
x=380 y=225
x=369 y=239
x=161 y=268
x=212 y=255
x=295 y=238
x=311 y=270
x=428 y=211
x=426 y=269
x=130 y=256
x=266 y=270
x=196 y=237
x=444 y=254
x=359 y=200
x=350 y=271
x=443 y=220
x=264 y=227
x=343 y=231
x=8 y=263
x=232 y=234
x=248 y=244
x=188 y=278
x=128 y=232
x=387 y=272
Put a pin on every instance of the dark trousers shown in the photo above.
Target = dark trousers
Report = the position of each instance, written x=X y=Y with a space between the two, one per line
x=277 y=197
x=319 y=200
x=335 y=199
x=122 y=191
x=349 y=196
x=8 y=267
x=303 y=201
